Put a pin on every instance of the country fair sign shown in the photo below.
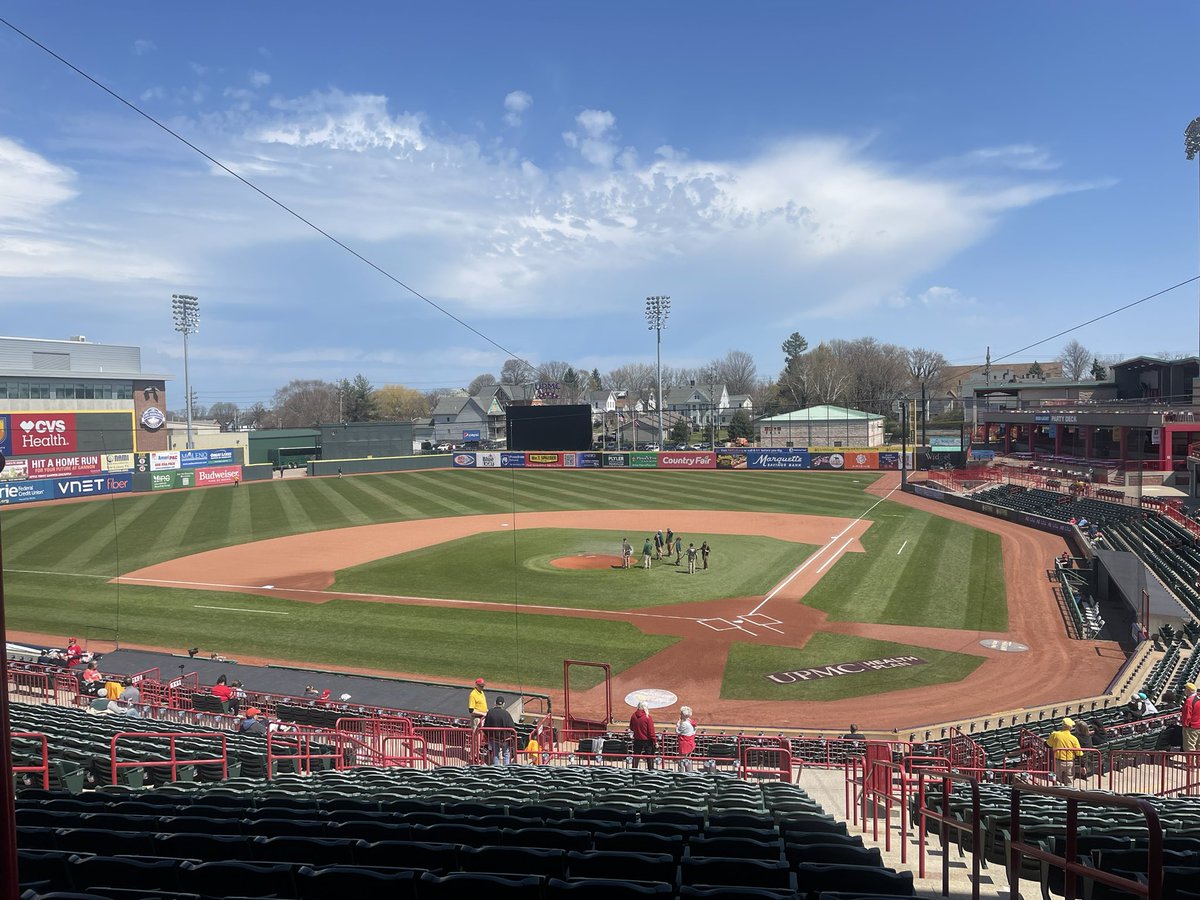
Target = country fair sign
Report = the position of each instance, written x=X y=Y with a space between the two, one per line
x=847 y=668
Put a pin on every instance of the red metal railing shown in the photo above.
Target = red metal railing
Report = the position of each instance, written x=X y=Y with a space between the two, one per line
x=44 y=768
x=174 y=762
x=1166 y=773
x=26 y=686
x=1069 y=861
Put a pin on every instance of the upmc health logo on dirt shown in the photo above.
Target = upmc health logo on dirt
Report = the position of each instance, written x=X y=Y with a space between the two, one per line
x=30 y=434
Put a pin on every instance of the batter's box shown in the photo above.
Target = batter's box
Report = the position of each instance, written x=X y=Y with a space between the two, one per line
x=718 y=624
x=760 y=619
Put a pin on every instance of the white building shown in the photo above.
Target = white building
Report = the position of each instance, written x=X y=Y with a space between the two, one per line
x=822 y=426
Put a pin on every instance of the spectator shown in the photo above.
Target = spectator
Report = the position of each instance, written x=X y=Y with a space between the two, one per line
x=852 y=734
x=221 y=690
x=93 y=681
x=1083 y=734
x=499 y=727
x=74 y=652
x=477 y=704
x=1065 y=747
x=642 y=727
x=532 y=753
x=1147 y=705
x=239 y=696
x=131 y=693
x=1189 y=719
x=252 y=723
x=686 y=729
x=113 y=688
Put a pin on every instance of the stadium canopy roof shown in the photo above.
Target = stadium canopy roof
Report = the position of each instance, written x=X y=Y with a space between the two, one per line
x=823 y=414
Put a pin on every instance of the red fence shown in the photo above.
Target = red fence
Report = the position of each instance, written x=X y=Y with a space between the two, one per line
x=44 y=768
x=174 y=760
x=1166 y=773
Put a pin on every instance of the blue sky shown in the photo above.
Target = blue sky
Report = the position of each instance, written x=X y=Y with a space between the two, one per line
x=943 y=175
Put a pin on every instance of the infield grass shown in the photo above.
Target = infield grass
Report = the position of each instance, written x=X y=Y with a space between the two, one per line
x=749 y=664
x=508 y=566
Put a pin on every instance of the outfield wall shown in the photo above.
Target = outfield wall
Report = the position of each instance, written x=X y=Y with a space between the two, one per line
x=748 y=458
x=36 y=479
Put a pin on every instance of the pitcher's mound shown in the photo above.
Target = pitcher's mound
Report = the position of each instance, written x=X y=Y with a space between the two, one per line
x=587 y=561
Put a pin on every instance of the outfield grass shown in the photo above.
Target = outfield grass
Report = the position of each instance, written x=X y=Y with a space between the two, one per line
x=514 y=566
x=448 y=643
x=918 y=569
x=749 y=663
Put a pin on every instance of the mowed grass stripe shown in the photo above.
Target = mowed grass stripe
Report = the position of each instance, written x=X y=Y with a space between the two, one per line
x=338 y=497
x=296 y=514
x=210 y=524
x=35 y=539
x=97 y=552
x=473 y=500
x=266 y=508
x=384 y=506
x=432 y=498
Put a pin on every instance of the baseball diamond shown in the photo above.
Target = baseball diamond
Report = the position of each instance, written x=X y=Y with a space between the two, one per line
x=441 y=574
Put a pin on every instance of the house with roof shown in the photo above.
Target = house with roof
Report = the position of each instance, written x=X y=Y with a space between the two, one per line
x=737 y=402
x=700 y=406
x=821 y=426
x=455 y=414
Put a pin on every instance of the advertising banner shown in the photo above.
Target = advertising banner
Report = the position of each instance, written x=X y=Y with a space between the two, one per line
x=163 y=460
x=218 y=475
x=162 y=481
x=587 y=460
x=193 y=459
x=141 y=462
x=512 y=460
x=117 y=462
x=775 y=459
x=731 y=459
x=945 y=443
x=861 y=459
x=222 y=457
x=470 y=434
x=889 y=459
x=705 y=459
x=25 y=491
x=32 y=433
x=86 y=487
x=616 y=460
x=489 y=460
x=5 y=437
x=827 y=461
x=14 y=471
x=543 y=460
x=463 y=460
x=643 y=460
x=56 y=466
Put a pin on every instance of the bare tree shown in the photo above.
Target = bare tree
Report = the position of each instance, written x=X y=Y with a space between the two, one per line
x=925 y=366
x=515 y=371
x=259 y=416
x=736 y=370
x=226 y=415
x=305 y=403
x=1076 y=361
x=479 y=382
x=552 y=370
x=637 y=378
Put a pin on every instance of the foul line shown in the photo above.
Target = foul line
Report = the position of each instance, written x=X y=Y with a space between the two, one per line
x=902 y=546
x=260 y=612
x=829 y=562
x=808 y=562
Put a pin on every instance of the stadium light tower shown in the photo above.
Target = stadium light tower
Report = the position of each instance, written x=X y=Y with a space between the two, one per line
x=657 y=310
x=186 y=311
x=1191 y=144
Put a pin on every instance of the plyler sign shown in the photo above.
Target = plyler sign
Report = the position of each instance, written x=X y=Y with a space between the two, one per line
x=847 y=668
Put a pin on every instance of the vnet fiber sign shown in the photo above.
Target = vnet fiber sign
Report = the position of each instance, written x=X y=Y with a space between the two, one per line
x=31 y=434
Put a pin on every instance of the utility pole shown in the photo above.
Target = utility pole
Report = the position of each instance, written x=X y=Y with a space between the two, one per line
x=1191 y=144
x=186 y=311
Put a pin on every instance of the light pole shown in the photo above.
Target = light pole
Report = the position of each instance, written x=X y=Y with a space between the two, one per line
x=903 y=442
x=1191 y=144
x=186 y=311
x=657 y=310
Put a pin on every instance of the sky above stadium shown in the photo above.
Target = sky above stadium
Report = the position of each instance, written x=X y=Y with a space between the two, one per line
x=940 y=174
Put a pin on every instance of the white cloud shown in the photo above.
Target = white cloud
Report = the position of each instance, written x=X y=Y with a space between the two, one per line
x=259 y=79
x=154 y=93
x=30 y=185
x=515 y=104
x=142 y=47
x=339 y=121
x=595 y=144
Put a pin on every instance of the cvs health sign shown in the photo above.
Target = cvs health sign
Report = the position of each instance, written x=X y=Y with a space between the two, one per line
x=31 y=434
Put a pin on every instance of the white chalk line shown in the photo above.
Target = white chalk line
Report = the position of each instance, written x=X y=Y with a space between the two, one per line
x=902 y=546
x=808 y=562
x=836 y=556
x=257 y=612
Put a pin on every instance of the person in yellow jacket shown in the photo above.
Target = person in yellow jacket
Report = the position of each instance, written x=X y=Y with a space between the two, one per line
x=477 y=704
x=1066 y=750
x=533 y=750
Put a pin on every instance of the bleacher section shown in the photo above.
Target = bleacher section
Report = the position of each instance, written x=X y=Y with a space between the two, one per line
x=528 y=831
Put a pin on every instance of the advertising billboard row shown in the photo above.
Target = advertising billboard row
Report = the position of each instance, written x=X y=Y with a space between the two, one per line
x=78 y=464
x=64 y=488
x=738 y=458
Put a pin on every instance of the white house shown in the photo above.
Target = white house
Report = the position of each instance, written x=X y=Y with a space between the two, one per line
x=822 y=426
x=696 y=404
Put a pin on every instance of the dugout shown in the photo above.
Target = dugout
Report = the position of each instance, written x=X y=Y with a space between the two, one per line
x=364 y=440
x=560 y=427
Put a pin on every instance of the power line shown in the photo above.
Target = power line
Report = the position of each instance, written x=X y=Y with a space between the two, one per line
x=254 y=187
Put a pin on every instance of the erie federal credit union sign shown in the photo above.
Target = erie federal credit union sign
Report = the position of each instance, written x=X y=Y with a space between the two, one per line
x=837 y=670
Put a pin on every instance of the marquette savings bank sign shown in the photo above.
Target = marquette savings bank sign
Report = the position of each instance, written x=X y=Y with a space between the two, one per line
x=846 y=668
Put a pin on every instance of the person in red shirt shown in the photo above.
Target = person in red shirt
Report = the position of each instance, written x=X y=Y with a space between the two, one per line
x=221 y=690
x=74 y=651
x=642 y=727
x=93 y=681
x=1189 y=718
